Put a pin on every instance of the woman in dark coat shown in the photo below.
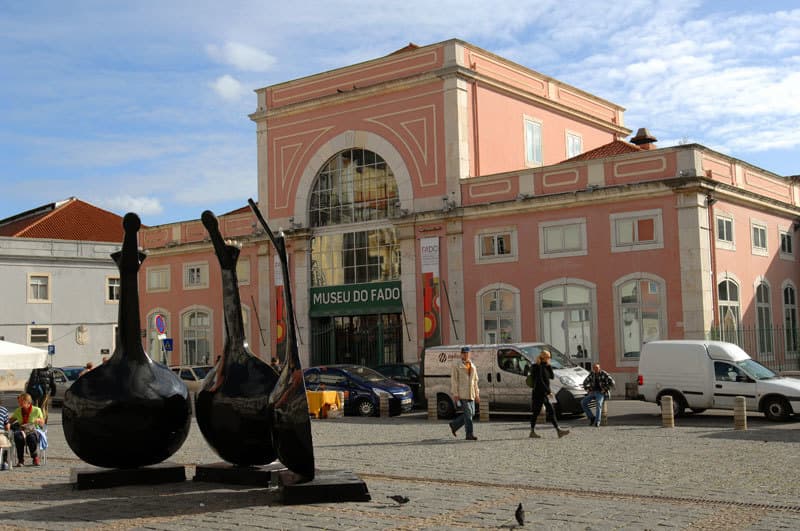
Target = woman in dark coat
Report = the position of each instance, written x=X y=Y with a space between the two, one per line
x=542 y=373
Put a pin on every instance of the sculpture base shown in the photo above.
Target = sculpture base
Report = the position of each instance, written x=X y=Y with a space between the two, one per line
x=100 y=478
x=328 y=486
x=260 y=476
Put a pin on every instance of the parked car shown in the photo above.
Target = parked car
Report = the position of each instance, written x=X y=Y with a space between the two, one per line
x=64 y=376
x=362 y=388
x=192 y=376
x=407 y=373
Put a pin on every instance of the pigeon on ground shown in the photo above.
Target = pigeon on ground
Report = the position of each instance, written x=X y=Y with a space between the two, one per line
x=519 y=514
x=399 y=499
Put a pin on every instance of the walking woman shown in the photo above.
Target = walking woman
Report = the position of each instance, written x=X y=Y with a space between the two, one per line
x=542 y=373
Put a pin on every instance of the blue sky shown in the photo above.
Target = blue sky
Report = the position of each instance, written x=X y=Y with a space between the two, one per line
x=143 y=106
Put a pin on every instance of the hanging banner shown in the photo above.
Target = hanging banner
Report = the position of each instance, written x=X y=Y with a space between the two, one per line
x=429 y=258
x=280 y=311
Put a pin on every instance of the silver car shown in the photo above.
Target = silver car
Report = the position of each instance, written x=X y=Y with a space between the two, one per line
x=64 y=376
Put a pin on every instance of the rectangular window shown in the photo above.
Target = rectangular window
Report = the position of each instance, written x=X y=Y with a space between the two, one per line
x=725 y=232
x=158 y=278
x=786 y=245
x=635 y=231
x=562 y=238
x=496 y=245
x=533 y=142
x=38 y=287
x=758 y=233
x=574 y=144
x=38 y=335
x=112 y=289
x=195 y=275
x=243 y=271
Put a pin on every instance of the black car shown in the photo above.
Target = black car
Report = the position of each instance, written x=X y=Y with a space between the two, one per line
x=362 y=388
x=407 y=373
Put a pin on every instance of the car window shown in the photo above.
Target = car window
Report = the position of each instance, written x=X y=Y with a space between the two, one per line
x=312 y=377
x=72 y=373
x=512 y=361
x=366 y=374
x=186 y=374
x=335 y=379
x=201 y=372
x=390 y=370
x=59 y=377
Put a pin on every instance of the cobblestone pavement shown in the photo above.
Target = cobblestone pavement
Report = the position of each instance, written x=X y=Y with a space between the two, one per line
x=631 y=474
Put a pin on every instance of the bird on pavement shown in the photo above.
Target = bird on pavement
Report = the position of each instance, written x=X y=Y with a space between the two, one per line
x=519 y=514
x=399 y=499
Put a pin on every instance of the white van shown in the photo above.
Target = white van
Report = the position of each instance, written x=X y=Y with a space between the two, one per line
x=701 y=375
x=502 y=370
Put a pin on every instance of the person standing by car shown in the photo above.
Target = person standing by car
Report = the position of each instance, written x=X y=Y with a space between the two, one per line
x=464 y=387
x=598 y=384
x=41 y=386
x=541 y=374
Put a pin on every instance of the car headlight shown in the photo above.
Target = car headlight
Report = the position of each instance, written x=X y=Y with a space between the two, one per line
x=381 y=392
x=566 y=381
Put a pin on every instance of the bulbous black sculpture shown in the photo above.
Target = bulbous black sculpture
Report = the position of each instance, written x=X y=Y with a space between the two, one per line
x=291 y=430
x=232 y=408
x=130 y=411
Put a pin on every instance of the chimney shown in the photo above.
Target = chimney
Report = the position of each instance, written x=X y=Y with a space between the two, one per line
x=644 y=139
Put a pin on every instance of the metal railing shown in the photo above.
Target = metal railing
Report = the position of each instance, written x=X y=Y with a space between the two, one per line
x=777 y=348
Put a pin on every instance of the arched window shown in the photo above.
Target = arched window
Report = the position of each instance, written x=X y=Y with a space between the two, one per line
x=729 y=310
x=641 y=313
x=196 y=332
x=499 y=315
x=790 y=319
x=764 y=319
x=566 y=319
x=354 y=185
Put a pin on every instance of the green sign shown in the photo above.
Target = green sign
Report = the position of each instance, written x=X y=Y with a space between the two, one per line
x=356 y=299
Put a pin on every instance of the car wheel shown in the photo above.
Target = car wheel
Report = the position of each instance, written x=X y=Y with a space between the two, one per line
x=698 y=410
x=444 y=407
x=777 y=409
x=365 y=407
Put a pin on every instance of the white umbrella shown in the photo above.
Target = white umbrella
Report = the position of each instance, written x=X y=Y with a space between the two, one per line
x=16 y=363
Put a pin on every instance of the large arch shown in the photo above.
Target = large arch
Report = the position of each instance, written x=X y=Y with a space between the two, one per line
x=346 y=140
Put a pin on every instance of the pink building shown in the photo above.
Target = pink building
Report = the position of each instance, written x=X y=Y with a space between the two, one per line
x=442 y=194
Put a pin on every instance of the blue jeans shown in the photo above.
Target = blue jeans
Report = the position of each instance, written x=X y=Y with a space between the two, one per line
x=598 y=397
x=465 y=418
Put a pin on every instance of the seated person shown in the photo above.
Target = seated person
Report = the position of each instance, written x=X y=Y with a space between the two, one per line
x=4 y=442
x=24 y=422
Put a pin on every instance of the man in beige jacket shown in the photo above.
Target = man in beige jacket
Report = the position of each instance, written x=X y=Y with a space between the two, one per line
x=464 y=387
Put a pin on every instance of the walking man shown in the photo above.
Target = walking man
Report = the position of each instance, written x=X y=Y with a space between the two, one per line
x=598 y=385
x=464 y=387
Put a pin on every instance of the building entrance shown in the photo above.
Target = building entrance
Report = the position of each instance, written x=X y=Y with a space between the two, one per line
x=360 y=339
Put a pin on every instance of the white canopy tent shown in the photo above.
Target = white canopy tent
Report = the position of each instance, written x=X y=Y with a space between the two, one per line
x=16 y=363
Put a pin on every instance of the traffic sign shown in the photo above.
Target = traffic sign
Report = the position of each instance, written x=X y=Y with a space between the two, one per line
x=161 y=323
x=51 y=349
x=168 y=344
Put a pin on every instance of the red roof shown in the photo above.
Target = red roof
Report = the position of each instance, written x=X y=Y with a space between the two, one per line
x=72 y=219
x=617 y=147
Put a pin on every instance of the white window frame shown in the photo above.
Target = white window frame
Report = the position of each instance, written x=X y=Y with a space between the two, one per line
x=619 y=326
x=783 y=235
x=31 y=328
x=512 y=256
x=570 y=138
x=720 y=242
x=754 y=248
x=534 y=141
x=158 y=270
x=545 y=226
x=243 y=271
x=516 y=331
x=110 y=300
x=49 y=286
x=658 y=231
x=202 y=272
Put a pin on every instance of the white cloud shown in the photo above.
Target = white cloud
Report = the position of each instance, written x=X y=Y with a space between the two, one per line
x=241 y=56
x=228 y=88
x=142 y=205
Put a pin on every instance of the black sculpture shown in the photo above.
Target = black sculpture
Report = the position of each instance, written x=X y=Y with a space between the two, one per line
x=232 y=408
x=130 y=411
x=291 y=430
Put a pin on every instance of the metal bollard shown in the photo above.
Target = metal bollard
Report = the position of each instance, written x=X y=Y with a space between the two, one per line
x=484 y=411
x=667 y=416
x=740 y=414
x=384 y=406
x=604 y=414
